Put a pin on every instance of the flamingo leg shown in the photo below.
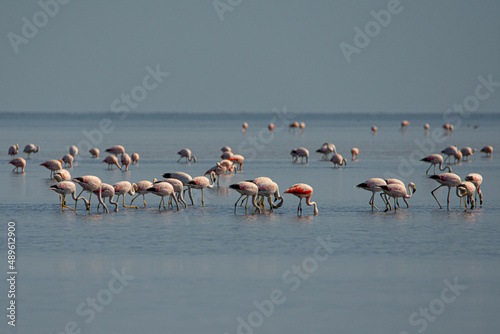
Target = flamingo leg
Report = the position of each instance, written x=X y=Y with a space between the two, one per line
x=181 y=199
x=191 y=195
x=246 y=204
x=407 y=205
x=144 y=199
x=236 y=204
x=395 y=207
x=133 y=199
x=300 y=207
x=99 y=195
x=270 y=203
x=176 y=201
x=386 y=201
x=448 y=199
x=159 y=206
x=202 y=201
x=480 y=196
x=180 y=158
x=128 y=206
x=371 y=202
x=432 y=192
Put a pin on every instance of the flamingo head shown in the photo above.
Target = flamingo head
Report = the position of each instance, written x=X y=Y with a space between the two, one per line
x=411 y=185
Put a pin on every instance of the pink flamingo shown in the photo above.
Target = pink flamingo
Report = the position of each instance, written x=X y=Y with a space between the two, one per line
x=184 y=178
x=448 y=128
x=338 y=160
x=18 y=163
x=446 y=179
x=225 y=149
x=467 y=152
x=302 y=190
x=164 y=189
x=488 y=150
x=90 y=183
x=52 y=165
x=404 y=124
x=117 y=149
x=450 y=151
x=237 y=159
x=326 y=149
x=268 y=189
x=393 y=181
x=300 y=152
x=397 y=190
x=435 y=159
x=111 y=160
x=201 y=182
x=477 y=180
x=141 y=188
x=293 y=126
x=135 y=158
x=216 y=171
x=245 y=188
x=125 y=159
x=374 y=185
x=227 y=155
x=458 y=157
x=354 y=152
x=426 y=127
x=65 y=188
x=31 y=148
x=244 y=126
x=374 y=129
x=178 y=188
x=229 y=165
x=302 y=126
x=94 y=152
x=465 y=191
x=107 y=191
x=122 y=188
x=73 y=150
x=13 y=150
x=68 y=160
x=186 y=153
x=62 y=175
x=271 y=127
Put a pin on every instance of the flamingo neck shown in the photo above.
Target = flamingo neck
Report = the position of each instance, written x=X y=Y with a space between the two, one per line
x=115 y=203
x=308 y=202
x=410 y=192
x=82 y=198
x=441 y=168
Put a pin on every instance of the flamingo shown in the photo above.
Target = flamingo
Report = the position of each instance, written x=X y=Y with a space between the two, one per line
x=268 y=189
x=449 y=151
x=216 y=171
x=13 y=150
x=164 y=189
x=227 y=155
x=62 y=175
x=302 y=190
x=404 y=124
x=117 y=149
x=52 y=165
x=326 y=149
x=31 y=148
x=426 y=127
x=465 y=190
x=125 y=160
x=135 y=158
x=488 y=150
x=141 y=188
x=374 y=185
x=448 y=128
x=229 y=165
x=338 y=160
x=247 y=189
x=458 y=157
x=374 y=129
x=201 y=182
x=68 y=160
x=396 y=190
x=186 y=153
x=73 y=150
x=108 y=191
x=178 y=188
x=271 y=127
x=302 y=126
x=393 y=181
x=94 y=152
x=111 y=160
x=467 y=152
x=300 y=152
x=435 y=159
x=446 y=179
x=225 y=149
x=244 y=126
x=293 y=126
x=90 y=183
x=354 y=152
x=258 y=181
x=65 y=188
x=477 y=180
x=237 y=159
x=122 y=188
x=184 y=178
x=18 y=163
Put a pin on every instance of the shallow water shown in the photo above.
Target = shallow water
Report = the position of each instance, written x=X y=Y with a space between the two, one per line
x=200 y=269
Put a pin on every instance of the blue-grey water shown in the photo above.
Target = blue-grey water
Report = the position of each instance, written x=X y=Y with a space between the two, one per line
x=207 y=270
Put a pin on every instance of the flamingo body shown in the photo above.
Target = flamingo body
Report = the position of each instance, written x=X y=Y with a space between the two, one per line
x=302 y=190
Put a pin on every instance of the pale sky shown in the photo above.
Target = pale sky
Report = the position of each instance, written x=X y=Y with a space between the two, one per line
x=262 y=54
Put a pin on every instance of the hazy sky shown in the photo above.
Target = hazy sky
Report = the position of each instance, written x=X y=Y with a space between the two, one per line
x=250 y=55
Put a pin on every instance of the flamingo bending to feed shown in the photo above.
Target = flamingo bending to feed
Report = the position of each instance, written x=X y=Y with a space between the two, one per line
x=225 y=149
x=31 y=148
x=73 y=150
x=446 y=179
x=108 y=191
x=247 y=189
x=293 y=125
x=450 y=151
x=435 y=159
x=62 y=175
x=229 y=165
x=68 y=160
x=237 y=159
x=141 y=188
x=268 y=189
x=122 y=188
x=404 y=124
x=52 y=165
x=271 y=127
x=393 y=181
x=477 y=180
x=216 y=171
x=338 y=160
x=201 y=182
x=488 y=150
x=13 y=150
x=374 y=129
x=467 y=152
x=184 y=178
x=326 y=149
x=135 y=158
x=65 y=188
x=117 y=149
x=164 y=189
x=448 y=128
x=178 y=188
x=94 y=152
x=244 y=126
x=302 y=190
x=186 y=153
x=125 y=160
x=111 y=160
x=300 y=152
x=227 y=155
x=374 y=185
x=396 y=190
x=458 y=157
x=18 y=163
x=90 y=183
x=354 y=152
x=465 y=190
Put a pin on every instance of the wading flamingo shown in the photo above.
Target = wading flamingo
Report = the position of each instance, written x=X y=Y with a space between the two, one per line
x=141 y=188
x=94 y=152
x=450 y=151
x=108 y=191
x=13 y=150
x=488 y=150
x=237 y=159
x=90 y=183
x=373 y=185
x=163 y=189
x=338 y=160
x=477 y=180
x=31 y=148
x=225 y=149
x=397 y=190
x=435 y=159
x=178 y=188
x=271 y=127
x=268 y=189
x=446 y=179
x=68 y=160
x=354 y=152
x=73 y=150
x=302 y=190
x=18 y=163
x=216 y=171
x=226 y=155
x=326 y=149
x=465 y=191
x=65 y=188
x=458 y=157
x=201 y=182
x=300 y=152
x=293 y=126
x=246 y=189
x=186 y=153
x=374 y=129
x=62 y=175
x=184 y=178
x=125 y=160
x=244 y=126
x=467 y=152
x=448 y=128
x=117 y=149
x=52 y=165
x=111 y=160
x=404 y=124
x=122 y=188
x=135 y=158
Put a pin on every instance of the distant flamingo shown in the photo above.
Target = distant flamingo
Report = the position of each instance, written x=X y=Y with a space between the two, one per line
x=62 y=175
x=237 y=159
x=458 y=157
x=52 y=165
x=141 y=188
x=68 y=160
x=73 y=150
x=404 y=124
x=164 y=189
x=488 y=150
x=302 y=190
x=446 y=179
x=326 y=149
x=108 y=191
x=117 y=149
x=13 y=150
x=229 y=165
x=354 y=152
x=90 y=183
x=244 y=126
x=477 y=180
x=293 y=126
x=18 y=163
x=122 y=188
x=135 y=158
x=111 y=160
x=448 y=128
x=31 y=148
x=216 y=171
x=225 y=149
x=374 y=185
x=178 y=188
x=374 y=129
x=450 y=151
x=125 y=160
x=65 y=188
x=227 y=155
x=338 y=160
x=94 y=152
x=201 y=182
x=435 y=159
x=246 y=189
x=300 y=152
x=186 y=153
x=184 y=178
x=271 y=127
x=397 y=190
x=465 y=191
x=302 y=126
x=426 y=127
x=467 y=152
x=268 y=189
